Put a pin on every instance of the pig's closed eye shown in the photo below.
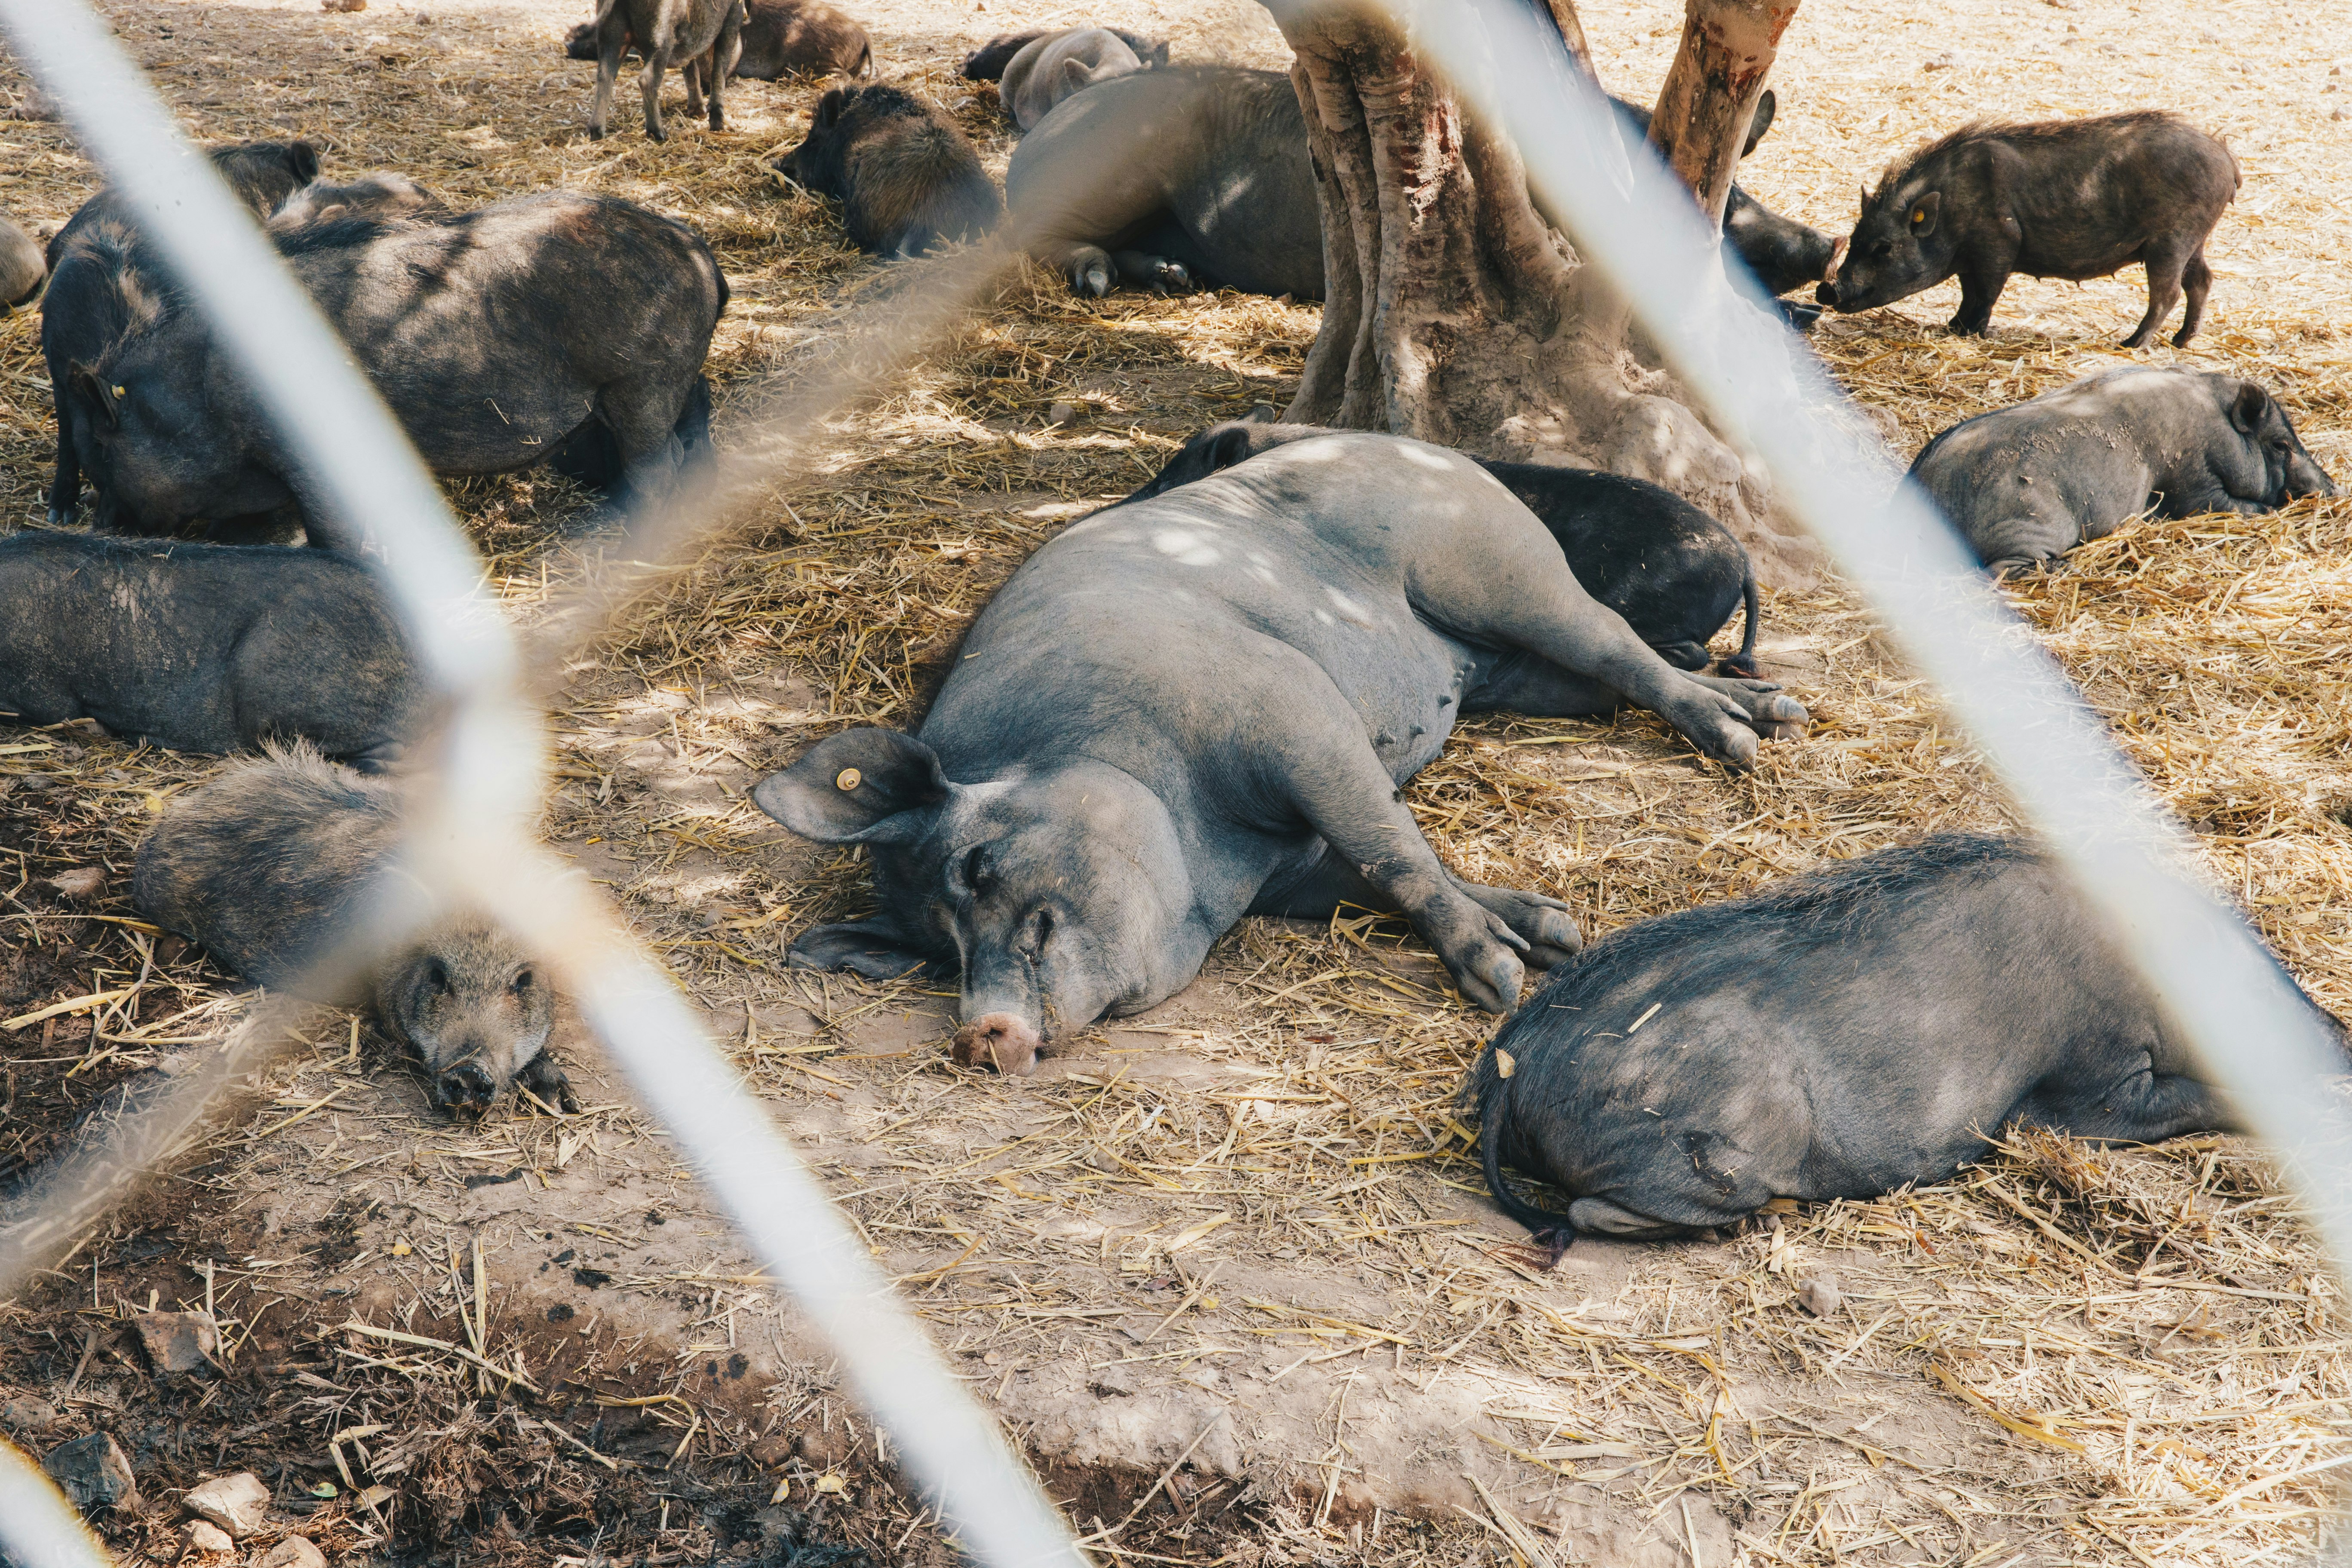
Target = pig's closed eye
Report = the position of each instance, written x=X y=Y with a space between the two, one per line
x=523 y=983
x=437 y=977
x=976 y=874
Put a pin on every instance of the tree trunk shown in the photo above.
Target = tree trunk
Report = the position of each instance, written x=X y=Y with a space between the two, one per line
x=1454 y=313
x=1711 y=90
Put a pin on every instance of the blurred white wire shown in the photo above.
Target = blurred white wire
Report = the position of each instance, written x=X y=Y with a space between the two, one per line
x=39 y=1529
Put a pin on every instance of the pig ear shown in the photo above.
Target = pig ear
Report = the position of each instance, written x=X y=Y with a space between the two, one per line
x=861 y=786
x=303 y=160
x=2248 y=409
x=96 y=391
x=1766 y=107
x=828 y=108
x=1924 y=213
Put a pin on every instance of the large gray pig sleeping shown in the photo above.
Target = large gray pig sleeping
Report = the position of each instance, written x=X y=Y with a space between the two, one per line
x=1200 y=705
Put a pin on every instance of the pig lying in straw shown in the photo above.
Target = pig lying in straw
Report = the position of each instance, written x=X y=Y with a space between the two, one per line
x=1836 y=1034
x=268 y=866
x=1185 y=709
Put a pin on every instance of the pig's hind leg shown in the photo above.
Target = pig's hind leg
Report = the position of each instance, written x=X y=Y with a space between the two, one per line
x=2197 y=282
x=2167 y=261
x=549 y=1082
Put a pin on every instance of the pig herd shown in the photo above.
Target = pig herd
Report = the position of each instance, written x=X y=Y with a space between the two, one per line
x=1200 y=703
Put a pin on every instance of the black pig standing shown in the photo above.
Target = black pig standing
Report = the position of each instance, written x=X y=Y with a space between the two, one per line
x=270 y=866
x=1835 y=1036
x=2029 y=483
x=96 y=289
x=2064 y=198
x=906 y=177
x=492 y=334
x=202 y=648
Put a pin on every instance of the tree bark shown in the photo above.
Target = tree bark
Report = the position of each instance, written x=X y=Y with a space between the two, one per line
x=1454 y=313
x=1710 y=94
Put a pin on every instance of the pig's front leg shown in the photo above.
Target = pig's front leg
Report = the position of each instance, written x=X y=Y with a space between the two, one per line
x=1338 y=784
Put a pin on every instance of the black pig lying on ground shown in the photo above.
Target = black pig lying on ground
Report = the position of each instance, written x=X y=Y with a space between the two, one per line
x=1673 y=571
x=2027 y=484
x=1834 y=1036
x=1201 y=176
x=2065 y=198
x=1185 y=709
x=987 y=63
x=268 y=866
x=491 y=334
x=95 y=291
x=202 y=648
x=906 y=177
x=1192 y=176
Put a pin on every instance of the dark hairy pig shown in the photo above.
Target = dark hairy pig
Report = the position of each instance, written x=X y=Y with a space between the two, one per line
x=1191 y=176
x=96 y=288
x=1835 y=1036
x=2063 y=198
x=270 y=868
x=2028 y=483
x=491 y=334
x=987 y=63
x=1205 y=704
x=784 y=37
x=1675 y=573
x=667 y=33
x=204 y=648
x=906 y=177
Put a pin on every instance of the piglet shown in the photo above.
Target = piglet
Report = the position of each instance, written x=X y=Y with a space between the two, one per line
x=906 y=179
x=270 y=866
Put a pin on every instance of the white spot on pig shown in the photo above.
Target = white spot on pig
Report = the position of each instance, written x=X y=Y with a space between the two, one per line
x=1320 y=450
x=1186 y=547
x=1354 y=614
x=1323 y=617
x=1426 y=458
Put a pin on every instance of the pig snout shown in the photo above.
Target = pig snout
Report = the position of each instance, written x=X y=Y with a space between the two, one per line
x=1001 y=1040
x=2306 y=477
x=1827 y=293
x=466 y=1090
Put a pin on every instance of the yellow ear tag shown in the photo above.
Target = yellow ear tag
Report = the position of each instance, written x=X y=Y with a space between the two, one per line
x=1503 y=1066
x=848 y=779
x=121 y=392
x=1918 y=215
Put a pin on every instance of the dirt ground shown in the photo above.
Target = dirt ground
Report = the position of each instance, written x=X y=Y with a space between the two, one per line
x=1238 y=1240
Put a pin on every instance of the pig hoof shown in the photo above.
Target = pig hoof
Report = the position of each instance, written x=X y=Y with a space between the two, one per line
x=1783 y=730
x=1091 y=281
x=997 y=1040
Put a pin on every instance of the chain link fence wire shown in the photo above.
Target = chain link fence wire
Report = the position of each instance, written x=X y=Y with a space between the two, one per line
x=473 y=800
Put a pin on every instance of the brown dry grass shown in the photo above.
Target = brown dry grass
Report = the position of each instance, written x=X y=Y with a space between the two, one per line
x=2063 y=1354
